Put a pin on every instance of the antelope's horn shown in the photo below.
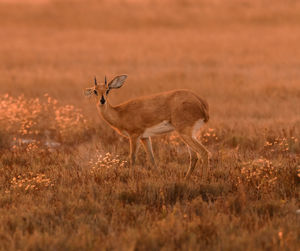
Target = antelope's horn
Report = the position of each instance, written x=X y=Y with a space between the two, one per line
x=105 y=81
x=95 y=81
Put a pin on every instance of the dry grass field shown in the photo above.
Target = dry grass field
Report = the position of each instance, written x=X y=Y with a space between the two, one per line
x=65 y=183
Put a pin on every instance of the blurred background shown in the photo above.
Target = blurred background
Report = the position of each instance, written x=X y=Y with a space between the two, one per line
x=243 y=56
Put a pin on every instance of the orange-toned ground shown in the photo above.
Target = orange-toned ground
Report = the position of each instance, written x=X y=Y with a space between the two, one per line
x=243 y=57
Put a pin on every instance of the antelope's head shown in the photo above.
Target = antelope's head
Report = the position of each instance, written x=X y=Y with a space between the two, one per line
x=101 y=91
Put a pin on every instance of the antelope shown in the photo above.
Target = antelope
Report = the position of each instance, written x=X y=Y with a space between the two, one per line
x=141 y=118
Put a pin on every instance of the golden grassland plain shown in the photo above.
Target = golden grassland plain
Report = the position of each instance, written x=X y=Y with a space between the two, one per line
x=64 y=177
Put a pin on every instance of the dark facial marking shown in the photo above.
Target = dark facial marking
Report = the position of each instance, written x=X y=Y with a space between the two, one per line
x=96 y=92
x=107 y=91
x=102 y=100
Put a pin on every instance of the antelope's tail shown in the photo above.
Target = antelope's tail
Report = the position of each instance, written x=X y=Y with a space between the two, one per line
x=205 y=109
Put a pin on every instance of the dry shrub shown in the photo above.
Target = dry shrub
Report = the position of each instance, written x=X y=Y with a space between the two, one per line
x=261 y=174
x=30 y=182
x=281 y=145
x=28 y=120
x=210 y=136
x=264 y=177
x=106 y=161
x=105 y=167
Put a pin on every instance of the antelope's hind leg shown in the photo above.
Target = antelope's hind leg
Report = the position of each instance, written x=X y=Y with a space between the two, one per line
x=197 y=147
x=193 y=162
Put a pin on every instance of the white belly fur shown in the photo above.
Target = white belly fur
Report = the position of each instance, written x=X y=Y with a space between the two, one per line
x=163 y=127
x=196 y=127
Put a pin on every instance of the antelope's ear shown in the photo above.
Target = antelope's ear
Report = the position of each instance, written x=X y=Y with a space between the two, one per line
x=88 y=91
x=117 y=82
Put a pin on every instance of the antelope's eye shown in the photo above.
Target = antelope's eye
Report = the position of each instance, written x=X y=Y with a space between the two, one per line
x=96 y=92
x=107 y=91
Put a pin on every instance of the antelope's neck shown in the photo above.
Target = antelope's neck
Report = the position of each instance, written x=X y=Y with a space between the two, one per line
x=108 y=113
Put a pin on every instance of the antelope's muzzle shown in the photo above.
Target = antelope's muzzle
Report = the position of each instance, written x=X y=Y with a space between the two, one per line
x=102 y=100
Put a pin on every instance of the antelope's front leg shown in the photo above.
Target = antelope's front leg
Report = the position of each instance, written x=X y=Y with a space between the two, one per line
x=148 y=148
x=133 y=140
